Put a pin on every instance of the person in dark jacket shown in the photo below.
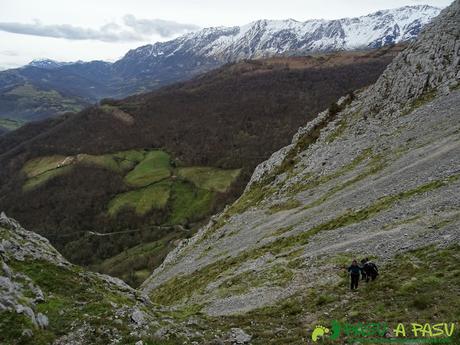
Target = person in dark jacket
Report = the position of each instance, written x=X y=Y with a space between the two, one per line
x=370 y=270
x=354 y=270
x=363 y=274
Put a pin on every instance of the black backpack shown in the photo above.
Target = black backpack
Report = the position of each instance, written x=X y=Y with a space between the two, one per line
x=370 y=268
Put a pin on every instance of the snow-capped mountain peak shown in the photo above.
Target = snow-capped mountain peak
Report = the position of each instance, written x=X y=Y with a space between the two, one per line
x=269 y=37
x=48 y=63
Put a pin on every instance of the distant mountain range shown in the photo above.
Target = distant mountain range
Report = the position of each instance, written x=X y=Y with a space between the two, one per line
x=268 y=37
x=49 y=63
x=45 y=88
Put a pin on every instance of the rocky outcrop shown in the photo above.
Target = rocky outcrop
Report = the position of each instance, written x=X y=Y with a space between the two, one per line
x=19 y=245
x=428 y=64
x=25 y=245
x=43 y=296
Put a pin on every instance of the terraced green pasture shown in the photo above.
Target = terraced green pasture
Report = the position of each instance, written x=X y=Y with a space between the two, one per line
x=10 y=124
x=38 y=180
x=40 y=170
x=189 y=203
x=142 y=200
x=154 y=167
x=187 y=193
x=209 y=178
x=38 y=166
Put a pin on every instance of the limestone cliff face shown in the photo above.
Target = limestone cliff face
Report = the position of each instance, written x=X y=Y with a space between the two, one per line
x=377 y=175
x=430 y=63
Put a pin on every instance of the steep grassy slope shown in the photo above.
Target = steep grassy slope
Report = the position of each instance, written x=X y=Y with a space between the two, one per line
x=375 y=175
x=48 y=300
x=419 y=286
x=215 y=130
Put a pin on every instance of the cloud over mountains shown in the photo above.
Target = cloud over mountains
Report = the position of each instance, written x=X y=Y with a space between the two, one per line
x=132 y=29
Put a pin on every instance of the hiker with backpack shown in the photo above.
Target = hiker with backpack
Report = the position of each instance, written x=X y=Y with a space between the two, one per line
x=355 y=271
x=370 y=270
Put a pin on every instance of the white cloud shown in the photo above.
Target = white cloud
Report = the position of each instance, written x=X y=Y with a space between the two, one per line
x=132 y=30
x=164 y=28
x=9 y=53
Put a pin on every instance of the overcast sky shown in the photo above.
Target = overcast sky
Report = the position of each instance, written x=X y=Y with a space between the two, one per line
x=107 y=29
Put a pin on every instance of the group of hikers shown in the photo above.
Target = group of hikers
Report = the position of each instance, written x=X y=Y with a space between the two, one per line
x=367 y=269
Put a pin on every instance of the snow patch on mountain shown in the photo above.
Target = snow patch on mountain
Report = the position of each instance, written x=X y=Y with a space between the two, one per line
x=264 y=38
x=49 y=63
